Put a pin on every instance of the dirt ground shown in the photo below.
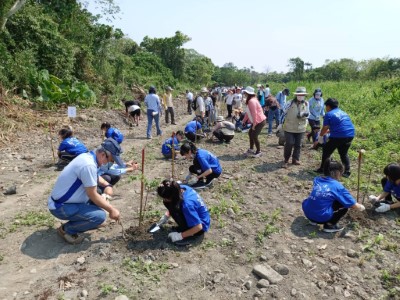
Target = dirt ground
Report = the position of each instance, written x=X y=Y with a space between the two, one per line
x=257 y=222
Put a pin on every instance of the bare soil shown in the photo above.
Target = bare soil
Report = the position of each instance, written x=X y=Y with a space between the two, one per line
x=256 y=220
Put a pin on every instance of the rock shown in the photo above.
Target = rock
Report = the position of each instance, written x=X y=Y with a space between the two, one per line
x=16 y=169
x=352 y=253
x=307 y=263
x=82 y=118
x=174 y=265
x=248 y=284
x=80 y=260
x=218 y=278
x=293 y=292
x=262 y=283
x=11 y=190
x=33 y=271
x=337 y=289
x=237 y=226
x=308 y=241
x=322 y=284
x=281 y=269
x=334 y=269
x=231 y=213
x=266 y=272
x=84 y=293
x=121 y=297
x=341 y=247
x=263 y=258
x=346 y=294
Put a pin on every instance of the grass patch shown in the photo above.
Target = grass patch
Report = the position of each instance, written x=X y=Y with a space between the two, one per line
x=144 y=271
x=271 y=226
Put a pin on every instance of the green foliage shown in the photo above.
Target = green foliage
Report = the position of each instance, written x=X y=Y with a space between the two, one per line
x=53 y=90
x=144 y=270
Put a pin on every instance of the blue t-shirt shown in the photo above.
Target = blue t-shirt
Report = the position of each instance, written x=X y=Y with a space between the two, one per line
x=166 y=147
x=326 y=190
x=340 y=125
x=207 y=160
x=115 y=134
x=192 y=125
x=392 y=188
x=73 y=146
x=194 y=209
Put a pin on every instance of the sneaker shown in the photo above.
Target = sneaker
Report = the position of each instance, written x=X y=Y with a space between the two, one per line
x=257 y=154
x=285 y=165
x=173 y=123
x=296 y=162
x=70 y=238
x=149 y=137
x=269 y=134
x=346 y=174
x=312 y=223
x=332 y=228
x=249 y=152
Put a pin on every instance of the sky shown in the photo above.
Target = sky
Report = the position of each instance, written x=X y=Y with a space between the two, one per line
x=265 y=34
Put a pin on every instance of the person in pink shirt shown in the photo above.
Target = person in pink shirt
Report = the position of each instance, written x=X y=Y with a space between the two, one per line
x=255 y=114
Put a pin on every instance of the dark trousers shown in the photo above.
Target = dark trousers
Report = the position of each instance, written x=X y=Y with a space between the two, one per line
x=312 y=124
x=338 y=212
x=111 y=179
x=189 y=106
x=292 y=143
x=168 y=111
x=229 y=108
x=196 y=169
x=343 y=145
x=191 y=136
x=253 y=135
x=222 y=137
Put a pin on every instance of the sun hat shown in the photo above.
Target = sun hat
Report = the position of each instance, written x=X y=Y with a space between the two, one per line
x=220 y=119
x=203 y=90
x=249 y=90
x=301 y=90
x=258 y=85
x=114 y=148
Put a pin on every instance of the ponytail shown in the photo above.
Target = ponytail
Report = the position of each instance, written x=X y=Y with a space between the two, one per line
x=331 y=167
x=65 y=132
x=170 y=189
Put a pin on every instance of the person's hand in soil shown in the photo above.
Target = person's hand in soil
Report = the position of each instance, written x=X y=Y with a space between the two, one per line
x=114 y=214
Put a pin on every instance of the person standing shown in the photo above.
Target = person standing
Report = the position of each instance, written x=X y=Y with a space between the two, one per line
x=189 y=98
x=329 y=200
x=295 y=116
x=168 y=105
x=281 y=97
x=254 y=113
x=200 y=105
x=229 y=102
x=237 y=99
x=273 y=108
x=152 y=102
x=260 y=96
x=316 y=103
x=267 y=91
x=342 y=132
x=74 y=197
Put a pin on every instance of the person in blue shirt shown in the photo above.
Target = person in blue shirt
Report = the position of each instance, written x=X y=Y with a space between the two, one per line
x=187 y=209
x=341 y=131
x=70 y=147
x=281 y=97
x=316 y=107
x=153 y=104
x=205 y=166
x=193 y=128
x=111 y=132
x=166 y=148
x=391 y=187
x=329 y=200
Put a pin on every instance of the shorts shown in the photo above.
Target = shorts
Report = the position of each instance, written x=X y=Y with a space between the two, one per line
x=135 y=113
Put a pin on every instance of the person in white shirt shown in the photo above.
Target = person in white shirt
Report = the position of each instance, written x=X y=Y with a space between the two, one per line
x=189 y=98
x=229 y=101
x=267 y=91
x=168 y=105
x=200 y=106
x=237 y=99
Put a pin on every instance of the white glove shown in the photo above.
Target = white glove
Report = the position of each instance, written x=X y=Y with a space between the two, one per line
x=320 y=139
x=373 y=198
x=175 y=236
x=360 y=207
x=163 y=220
x=106 y=197
x=383 y=208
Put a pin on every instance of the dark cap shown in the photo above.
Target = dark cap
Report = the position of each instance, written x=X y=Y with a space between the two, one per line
x=114 y=148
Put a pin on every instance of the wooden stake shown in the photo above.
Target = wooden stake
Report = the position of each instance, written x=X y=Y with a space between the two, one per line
x=360 y=153
x=141 y=190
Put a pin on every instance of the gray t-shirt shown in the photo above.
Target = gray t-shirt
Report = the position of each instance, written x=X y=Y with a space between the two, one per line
x=83 y=167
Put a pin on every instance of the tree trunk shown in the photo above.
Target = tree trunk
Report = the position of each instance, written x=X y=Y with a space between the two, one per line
x=16 y=7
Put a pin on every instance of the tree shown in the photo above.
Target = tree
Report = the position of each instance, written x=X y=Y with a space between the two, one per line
x=296 y=67
x=7 y=9
x=169 y=50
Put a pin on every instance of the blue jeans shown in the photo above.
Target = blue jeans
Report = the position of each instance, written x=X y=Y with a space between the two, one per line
x=271 y=114
x=81 y=217
x=150 y=118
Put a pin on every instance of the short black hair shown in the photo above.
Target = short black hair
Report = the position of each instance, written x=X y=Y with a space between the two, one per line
x=105 y=125
x=332 y=103
x=392 y=171
x=186 y=147
x=331 y=167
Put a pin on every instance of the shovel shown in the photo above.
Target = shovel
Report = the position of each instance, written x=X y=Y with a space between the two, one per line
x=154 y=228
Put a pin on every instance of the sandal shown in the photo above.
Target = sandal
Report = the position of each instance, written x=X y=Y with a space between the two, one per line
x=70 y=238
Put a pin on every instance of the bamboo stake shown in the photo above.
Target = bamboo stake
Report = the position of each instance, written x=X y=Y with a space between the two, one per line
x=51 y=144
x=173 y=157
x=141 y=190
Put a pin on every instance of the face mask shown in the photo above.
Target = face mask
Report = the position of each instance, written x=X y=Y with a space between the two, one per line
x=317 y=95
x=301 y=98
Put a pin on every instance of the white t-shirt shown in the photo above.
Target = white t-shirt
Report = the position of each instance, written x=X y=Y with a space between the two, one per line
x=267 y=91
x=133 y=108
x=229 y=99
x=200 y=106
x=83 y=167
x=189 y=96
x=237 y=100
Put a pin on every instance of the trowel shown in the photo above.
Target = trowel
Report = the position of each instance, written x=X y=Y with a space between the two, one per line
x=154 y=228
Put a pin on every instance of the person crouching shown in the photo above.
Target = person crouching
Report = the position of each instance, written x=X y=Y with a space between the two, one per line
x=223 y=130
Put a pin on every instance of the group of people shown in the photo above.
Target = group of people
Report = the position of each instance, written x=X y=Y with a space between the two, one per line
x=83 y=187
